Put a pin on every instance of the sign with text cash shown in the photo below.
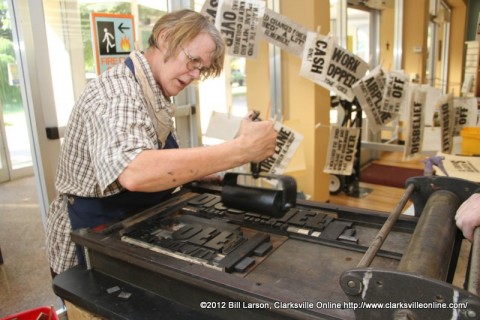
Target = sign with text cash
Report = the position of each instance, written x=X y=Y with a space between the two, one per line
x=331 y=66
x=239 y=21
x=283 y=32
x=316 y=56
x=342 y=147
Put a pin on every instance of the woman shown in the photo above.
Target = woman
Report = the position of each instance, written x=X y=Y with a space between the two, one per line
x=120 y=153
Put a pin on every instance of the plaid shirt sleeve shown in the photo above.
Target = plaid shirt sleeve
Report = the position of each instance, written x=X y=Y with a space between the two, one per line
x=108 y=127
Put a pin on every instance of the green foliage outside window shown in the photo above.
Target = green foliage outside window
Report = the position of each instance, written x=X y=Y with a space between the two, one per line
x=10 y=95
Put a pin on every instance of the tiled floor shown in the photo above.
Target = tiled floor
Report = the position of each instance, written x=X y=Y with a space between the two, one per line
x=25 y=281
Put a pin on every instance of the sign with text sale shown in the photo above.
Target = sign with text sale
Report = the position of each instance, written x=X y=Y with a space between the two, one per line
x=113 y=37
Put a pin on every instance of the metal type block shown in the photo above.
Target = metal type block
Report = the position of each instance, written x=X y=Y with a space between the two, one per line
x=244 y=264
x=335 y=229
x=244 y=250
x=263 y=249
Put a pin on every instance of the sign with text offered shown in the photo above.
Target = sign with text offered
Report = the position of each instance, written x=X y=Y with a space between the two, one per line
x=113 y=37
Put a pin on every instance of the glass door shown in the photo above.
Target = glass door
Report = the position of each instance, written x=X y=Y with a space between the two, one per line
x=438 y=44
x=4 y=173
x=15 y=155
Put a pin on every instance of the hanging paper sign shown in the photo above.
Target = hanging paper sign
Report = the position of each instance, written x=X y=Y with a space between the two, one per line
x=447 y=121
x=433 y=95
x=239 y=21
x=287 y=143
x=343 y=71
x=209 y=10
x=465 y=114
x=283 y=32
x=342 y=148
x=369 y=94
x=331 y=66
x=415 y=125
x=395 y=91
x=316 y=56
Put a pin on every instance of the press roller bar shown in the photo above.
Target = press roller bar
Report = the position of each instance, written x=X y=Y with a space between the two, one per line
x=385 y=230
x=431 y=247
x=474 y=275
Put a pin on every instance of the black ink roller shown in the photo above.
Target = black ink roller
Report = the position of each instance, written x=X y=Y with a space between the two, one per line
x=271 y=202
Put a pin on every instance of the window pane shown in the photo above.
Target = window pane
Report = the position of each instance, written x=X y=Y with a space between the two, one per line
x=14 y=121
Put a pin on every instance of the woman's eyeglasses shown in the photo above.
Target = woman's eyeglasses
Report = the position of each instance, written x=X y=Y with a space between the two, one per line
x=195 y=64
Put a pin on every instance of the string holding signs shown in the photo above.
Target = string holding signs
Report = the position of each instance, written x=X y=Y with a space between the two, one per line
x=342 y=148
x=283 y=32
x=113 y=38
x=331 y=66
x=239 y=21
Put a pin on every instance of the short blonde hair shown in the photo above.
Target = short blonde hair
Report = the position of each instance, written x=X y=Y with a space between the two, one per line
x=181 y=27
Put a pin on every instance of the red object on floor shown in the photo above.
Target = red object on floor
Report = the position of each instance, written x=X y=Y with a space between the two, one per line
x=388 y=175
x=41 y=313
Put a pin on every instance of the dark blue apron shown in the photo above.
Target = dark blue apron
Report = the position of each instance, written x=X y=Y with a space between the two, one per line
x=89 y=212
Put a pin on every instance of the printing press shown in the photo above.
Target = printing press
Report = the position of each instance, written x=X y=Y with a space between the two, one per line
x=246 y=252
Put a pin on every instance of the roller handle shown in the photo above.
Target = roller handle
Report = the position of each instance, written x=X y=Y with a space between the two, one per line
x=255 y=167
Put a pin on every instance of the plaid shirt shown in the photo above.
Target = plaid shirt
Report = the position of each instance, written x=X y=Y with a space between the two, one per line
x=109 y=126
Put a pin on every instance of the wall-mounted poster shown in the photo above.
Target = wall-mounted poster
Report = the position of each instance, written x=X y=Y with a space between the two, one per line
x=113 y=37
